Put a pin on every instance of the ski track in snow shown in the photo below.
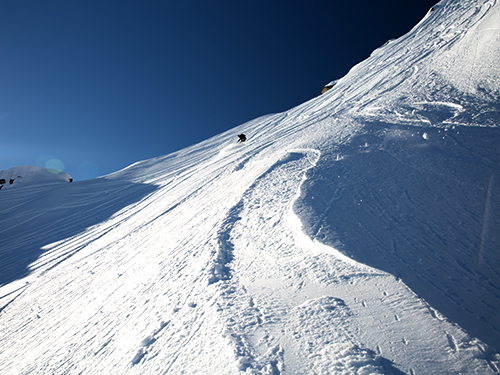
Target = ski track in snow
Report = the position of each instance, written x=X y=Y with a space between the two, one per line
x=272 y=304
x=305 y=286
x=296 y=331
x=228 y=258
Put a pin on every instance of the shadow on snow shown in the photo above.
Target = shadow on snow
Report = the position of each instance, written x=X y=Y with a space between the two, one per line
x=33 y=217
x=422 y=204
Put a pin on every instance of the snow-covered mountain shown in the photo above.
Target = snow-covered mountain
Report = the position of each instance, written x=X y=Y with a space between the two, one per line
x=355 y=233
x=30 y=175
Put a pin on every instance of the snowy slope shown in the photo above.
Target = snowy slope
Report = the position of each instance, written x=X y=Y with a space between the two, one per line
x=356 y=233
x=29 y=175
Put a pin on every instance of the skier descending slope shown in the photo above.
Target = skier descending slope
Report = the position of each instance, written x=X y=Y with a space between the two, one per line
x=199 y=263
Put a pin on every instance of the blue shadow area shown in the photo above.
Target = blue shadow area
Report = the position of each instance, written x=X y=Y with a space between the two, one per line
x=32 y=217
x=422 y=204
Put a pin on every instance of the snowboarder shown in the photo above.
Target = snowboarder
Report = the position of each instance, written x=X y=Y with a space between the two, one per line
x=242 y=138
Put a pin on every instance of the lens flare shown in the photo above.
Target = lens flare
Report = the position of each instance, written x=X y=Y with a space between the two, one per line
x=55 y=164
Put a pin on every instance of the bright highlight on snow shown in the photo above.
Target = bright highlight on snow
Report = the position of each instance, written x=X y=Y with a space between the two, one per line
x=357 y=233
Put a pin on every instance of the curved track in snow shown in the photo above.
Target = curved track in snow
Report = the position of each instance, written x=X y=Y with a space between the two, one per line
x=294 y=305
x=197 y=262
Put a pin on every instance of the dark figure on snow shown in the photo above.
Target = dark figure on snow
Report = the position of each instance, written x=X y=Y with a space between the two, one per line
x=242 y=138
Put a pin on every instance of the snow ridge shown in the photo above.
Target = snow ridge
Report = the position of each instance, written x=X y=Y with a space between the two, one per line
x=355 y=233
x=271 y=328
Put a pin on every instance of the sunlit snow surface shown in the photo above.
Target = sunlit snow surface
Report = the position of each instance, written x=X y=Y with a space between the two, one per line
x=356 y=233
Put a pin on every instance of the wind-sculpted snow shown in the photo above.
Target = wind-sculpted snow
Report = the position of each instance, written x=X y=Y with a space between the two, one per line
x=262 y=347
x=165 y=289
x=412 y=202
x=355 y=234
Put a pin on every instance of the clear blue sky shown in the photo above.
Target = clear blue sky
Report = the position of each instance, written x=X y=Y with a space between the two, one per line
x=98 y=85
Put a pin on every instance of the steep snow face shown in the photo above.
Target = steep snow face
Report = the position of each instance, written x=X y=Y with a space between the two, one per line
x=415 y=191
x=356 y=233
x=471 y=65
x=444 y=69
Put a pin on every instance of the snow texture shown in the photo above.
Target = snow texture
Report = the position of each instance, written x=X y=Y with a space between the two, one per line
x=357 y=233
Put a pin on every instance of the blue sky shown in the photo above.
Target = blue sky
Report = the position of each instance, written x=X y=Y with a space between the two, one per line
x=93 y=86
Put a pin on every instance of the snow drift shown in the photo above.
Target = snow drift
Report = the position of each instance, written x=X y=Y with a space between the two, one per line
x=355 y=233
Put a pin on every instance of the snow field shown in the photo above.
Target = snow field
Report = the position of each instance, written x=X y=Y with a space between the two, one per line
x=353 y=234
x=325 y=301
x=159 y=288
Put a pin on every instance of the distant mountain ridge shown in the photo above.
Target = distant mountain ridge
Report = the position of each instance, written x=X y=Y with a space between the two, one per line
x=26 y=175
